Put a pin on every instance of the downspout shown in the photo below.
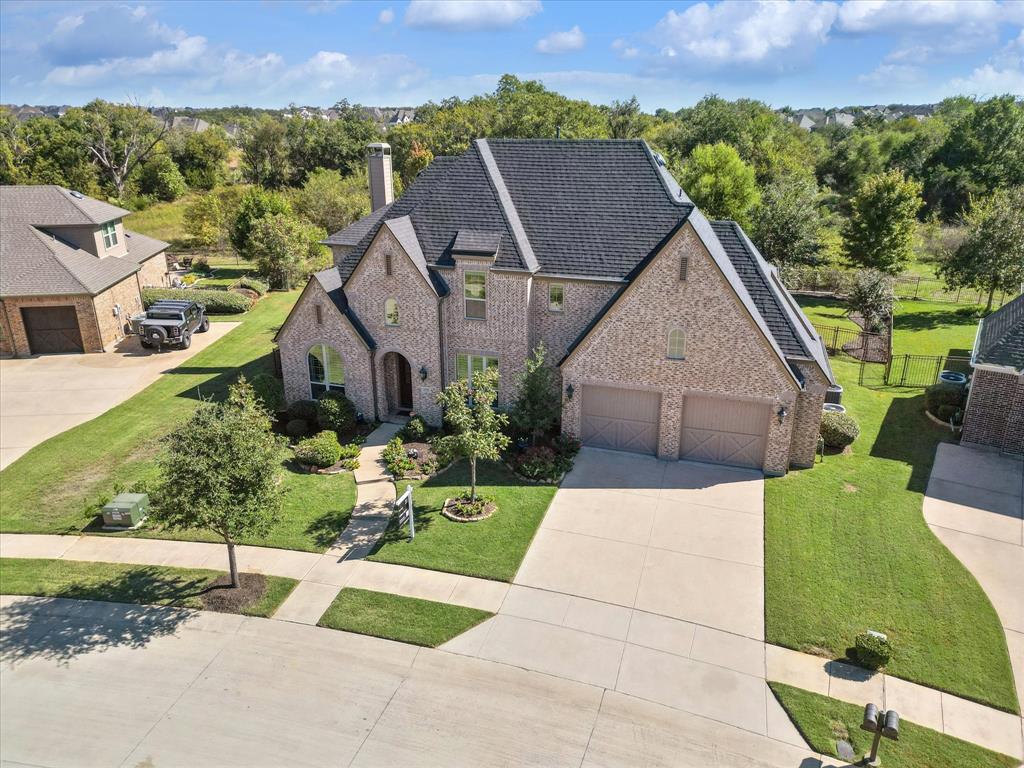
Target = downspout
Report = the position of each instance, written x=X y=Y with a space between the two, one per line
x=440 y=337
x=373 y=384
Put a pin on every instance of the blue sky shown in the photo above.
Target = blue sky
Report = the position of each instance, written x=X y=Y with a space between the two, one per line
x=668 y=54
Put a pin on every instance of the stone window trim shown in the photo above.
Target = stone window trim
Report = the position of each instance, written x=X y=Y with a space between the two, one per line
x=392 y=319
x=474 y=293
x=556 y=298
x=109 y=231
x=676 y=346
x=325 y=370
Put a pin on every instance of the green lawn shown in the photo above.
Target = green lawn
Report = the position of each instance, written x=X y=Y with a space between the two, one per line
x=821 y=721
x=489 y=549
x=405 y=619
x=847 y=549
x=225 y=275
x=58 y=486
x=121 y=583
x=164 y=221
x=826 y=311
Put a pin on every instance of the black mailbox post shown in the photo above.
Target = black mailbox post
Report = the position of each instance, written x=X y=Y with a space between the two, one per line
x=881 y=724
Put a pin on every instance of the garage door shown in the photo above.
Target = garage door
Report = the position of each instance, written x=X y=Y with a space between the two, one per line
x=724 y=431
x=52 y=329
x=621 y=419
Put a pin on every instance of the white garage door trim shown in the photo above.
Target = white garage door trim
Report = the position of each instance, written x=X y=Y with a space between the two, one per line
x=718 y=430
x=620 y=419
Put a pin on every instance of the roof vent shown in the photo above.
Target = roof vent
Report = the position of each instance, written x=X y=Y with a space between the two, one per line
x=76 y=195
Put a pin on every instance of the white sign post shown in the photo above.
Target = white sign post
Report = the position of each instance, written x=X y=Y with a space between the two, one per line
x=405 y=512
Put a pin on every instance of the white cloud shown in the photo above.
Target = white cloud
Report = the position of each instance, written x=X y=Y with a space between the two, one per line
x=185 y=56
x=1003 y=73
x=467 y=15
x=386 y=16
x=323 y=6
x=562 y=42
x=885 y=75
x=732 y=33
x=898 y=15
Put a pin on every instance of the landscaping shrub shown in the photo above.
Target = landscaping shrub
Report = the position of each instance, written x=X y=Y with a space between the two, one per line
x=297 y=428
x=303 y=409
x=415 y=430
x=270 y=390
x=202 y=266
x=190 y=278
x=250 y=283
x=395 y=460
x=938 y=395
x=872 y=650
x=350 y=456
x=538 y=463
x=838 y=429
x=335 y=411
x=950 y=412
x=321 y=450
x=216 y=302
x=567 y=446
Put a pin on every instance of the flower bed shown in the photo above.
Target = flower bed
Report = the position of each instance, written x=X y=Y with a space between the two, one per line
x=462 y=510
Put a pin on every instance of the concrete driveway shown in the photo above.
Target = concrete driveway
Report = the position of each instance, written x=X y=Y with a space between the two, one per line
x=45 y=395
x=975 y=505
x=647 y=577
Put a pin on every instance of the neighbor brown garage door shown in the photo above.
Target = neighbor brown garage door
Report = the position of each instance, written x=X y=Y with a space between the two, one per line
x=52 y=329
x=621 y=419
x=724 y=431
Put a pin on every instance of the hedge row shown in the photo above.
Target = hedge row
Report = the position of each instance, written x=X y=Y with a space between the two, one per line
x=216 y=302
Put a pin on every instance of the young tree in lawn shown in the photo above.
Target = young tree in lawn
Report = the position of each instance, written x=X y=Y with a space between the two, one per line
x=871 y=296
x=120 y=137
x=476 y=426
x=286 y=249
x=539 y=404
x=220 y=472
x=991 y=257
x=880 y=231
x=718 y=181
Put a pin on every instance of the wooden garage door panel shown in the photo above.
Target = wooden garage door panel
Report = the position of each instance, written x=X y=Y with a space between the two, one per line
x=621 y=419
x=52 y=329
x=724 y=431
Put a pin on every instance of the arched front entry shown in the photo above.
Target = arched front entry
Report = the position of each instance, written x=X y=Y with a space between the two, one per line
x=397 y=384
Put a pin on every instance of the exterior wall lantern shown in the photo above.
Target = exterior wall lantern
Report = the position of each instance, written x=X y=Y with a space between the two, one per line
x=423 y=373
x=568 y=392
x=881 y=724
x=782 y=413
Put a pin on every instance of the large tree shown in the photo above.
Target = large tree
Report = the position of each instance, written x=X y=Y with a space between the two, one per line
x=338 y=144
x=45 y=150
x=786 y=224
x=286 y=249
x=880 y=231
x=200 y=156
x=254 y=205
x=991 y=256
x=718 y=181
x=120 y=137
x=332 y=201
x=265 y=153
x=221 y=472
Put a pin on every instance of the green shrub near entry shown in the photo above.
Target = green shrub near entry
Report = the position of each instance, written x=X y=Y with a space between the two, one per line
x=251 y=283
x=395 y=460
x=297 y=428
x=270 y=390
x=350 y=456
x=216 y=302
x=838 y=429
x=335 y=411
x=872 y=650
x=415 y=430
x=938 y=395
x=321 y=450
x=303 y=409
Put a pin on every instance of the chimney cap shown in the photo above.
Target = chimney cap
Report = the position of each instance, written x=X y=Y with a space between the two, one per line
x=379 y=146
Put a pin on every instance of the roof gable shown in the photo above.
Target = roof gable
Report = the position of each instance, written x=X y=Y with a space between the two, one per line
x=1000 y=339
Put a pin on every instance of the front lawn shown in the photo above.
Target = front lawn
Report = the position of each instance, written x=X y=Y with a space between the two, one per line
x=847 y=549
x=121 y=583
x=59 y=486
x=489 y=549
x=394 y=617
x=821 y=721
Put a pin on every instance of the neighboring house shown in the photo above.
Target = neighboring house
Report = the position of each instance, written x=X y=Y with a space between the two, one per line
x=671 y=334
x=188 y=124
x=995 y=406
x=71 y=275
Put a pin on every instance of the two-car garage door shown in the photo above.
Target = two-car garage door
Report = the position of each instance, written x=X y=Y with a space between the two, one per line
x=713 y=429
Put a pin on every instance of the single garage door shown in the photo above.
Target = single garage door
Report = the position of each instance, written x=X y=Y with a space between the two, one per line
x=724 y=431
x=621 y=419
x=52 y=329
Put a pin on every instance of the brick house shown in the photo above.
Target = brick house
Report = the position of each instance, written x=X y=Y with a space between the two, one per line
x=994 y=416
x=71 y=275
x=671 y=334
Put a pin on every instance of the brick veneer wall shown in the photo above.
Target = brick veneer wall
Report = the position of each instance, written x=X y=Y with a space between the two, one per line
x=995 y=411
x=558 y=330
x=125 y=293
x=86 y=319
x=153 y=271
x=302 y=331
x=807 y=423
x=726 y=354
x=6 y=337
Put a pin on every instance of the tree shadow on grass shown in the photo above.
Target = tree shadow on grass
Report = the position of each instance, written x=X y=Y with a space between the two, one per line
x=222 y=377
x=934 y=319
x=907 y=435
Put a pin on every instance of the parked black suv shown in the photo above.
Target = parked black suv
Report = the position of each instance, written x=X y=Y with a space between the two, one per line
x=168 y=323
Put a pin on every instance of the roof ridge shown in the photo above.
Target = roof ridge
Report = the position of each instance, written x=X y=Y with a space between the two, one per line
x=508 y=208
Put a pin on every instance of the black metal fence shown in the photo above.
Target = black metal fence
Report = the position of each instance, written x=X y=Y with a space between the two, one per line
x=863 y=345
x=836 y=282
x=915 y=371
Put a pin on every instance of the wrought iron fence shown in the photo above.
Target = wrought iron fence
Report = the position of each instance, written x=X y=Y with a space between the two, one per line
x=863 y=345
x=922 y=370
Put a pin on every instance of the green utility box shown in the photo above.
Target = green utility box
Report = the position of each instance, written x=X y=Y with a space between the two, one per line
x=126 y=510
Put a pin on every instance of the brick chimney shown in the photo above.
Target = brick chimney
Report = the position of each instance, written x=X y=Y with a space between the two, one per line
x=381 y=181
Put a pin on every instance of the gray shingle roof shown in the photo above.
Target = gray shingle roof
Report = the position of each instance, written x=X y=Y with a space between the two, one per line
x=474 y=242
x=357 y=230
x=35 y=261
x=330 y=281
x=1000 y=339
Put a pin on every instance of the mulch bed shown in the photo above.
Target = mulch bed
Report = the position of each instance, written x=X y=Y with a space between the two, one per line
x=334 y=469
x=425 y=455
x=220 y=596
x=456 y=510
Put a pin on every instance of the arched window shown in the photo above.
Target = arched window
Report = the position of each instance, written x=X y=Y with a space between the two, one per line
x=390 y=312
x=676 y=344
x=326 y=370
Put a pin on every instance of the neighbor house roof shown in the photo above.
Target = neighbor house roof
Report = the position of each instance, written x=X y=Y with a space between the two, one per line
x=1000 y=339
x=35 y=260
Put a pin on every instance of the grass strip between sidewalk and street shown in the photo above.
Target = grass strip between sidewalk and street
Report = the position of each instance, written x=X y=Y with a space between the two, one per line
x=395 y=617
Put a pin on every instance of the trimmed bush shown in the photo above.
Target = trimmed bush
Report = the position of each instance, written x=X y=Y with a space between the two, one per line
x=270 y=390
x=415 y=430
x=350 y=456
x=250 y=283
x=335 y=411
x=872 y=650
x=216 y=302
x=838 y=429
x=297 y=428
x=538 y=463
x=321 y=450
x=938 y=395
x=395 y=460
x=303 y=409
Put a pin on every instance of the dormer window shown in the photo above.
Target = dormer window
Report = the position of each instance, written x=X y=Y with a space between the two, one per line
x=109 y=231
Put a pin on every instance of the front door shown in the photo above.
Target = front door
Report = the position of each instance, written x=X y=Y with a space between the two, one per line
x=404 y=384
